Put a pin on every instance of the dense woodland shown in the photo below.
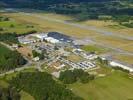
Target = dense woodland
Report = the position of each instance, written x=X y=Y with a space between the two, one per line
x=10 y=59
x=120 y=11
x=42 y=86
x=71 y=76
x=9 y=38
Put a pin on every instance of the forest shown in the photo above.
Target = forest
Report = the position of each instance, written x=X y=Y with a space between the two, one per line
x=10 y=59
x=42 y=86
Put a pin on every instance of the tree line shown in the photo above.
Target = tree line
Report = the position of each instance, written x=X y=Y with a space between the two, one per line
x=9 y=38
x=72 y=76
x=42 y=86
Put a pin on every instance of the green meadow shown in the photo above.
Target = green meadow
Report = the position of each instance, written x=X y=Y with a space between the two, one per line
x=115 y=86
x=14 y=26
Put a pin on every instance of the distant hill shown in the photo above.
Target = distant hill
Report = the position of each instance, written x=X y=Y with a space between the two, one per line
x=41 y=3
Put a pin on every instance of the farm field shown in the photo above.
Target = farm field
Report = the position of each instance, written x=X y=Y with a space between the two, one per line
x=116 y=86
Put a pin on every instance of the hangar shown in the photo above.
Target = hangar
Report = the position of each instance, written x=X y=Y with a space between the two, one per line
x=59 y=36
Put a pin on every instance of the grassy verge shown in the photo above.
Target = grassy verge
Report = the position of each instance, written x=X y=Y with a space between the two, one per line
x=26 y=96
x=95 y=48
x=124 y=58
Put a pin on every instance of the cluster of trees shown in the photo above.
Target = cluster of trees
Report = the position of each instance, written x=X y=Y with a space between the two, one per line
x=102 y=61
x=128 y=24
x=2 y=18
x=9 y=38
x=9 y=93
x=42 y=86
x=71 y=76
x=10 y=59
x=36 y=54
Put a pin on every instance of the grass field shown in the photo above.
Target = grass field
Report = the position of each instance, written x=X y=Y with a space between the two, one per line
x=15 y=26
x=57 y=16
x=116 y=86
x=113 y=41
x=109 y=26
x=124 y=58
x=26 y=96
x=128 y=47
x=75 y=58
x=48 y=25
x=95 y=48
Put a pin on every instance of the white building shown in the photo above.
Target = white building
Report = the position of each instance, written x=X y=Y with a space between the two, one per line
x=36 y=59
x=52 y=40
x=116 y=64
x=41 y=36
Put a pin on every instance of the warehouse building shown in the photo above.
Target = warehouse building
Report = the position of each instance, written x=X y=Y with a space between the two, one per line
x=59 y=36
